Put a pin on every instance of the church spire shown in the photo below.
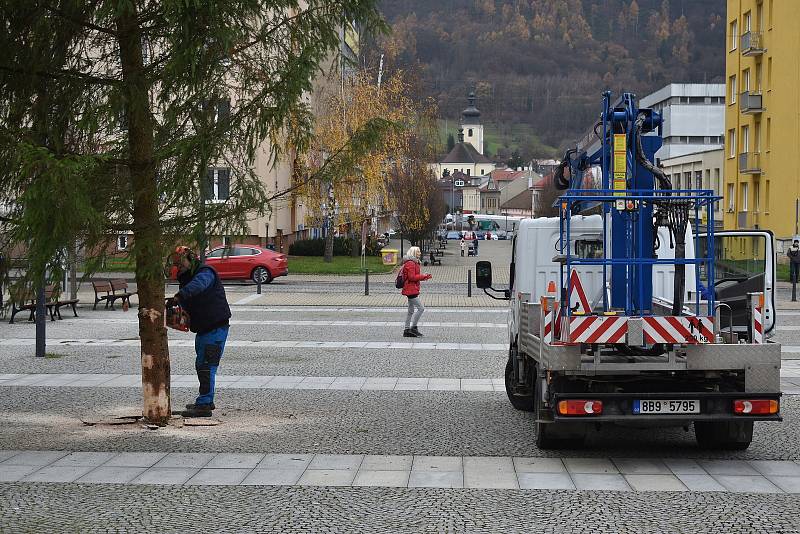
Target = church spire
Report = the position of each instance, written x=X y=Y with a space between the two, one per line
x=471 y=115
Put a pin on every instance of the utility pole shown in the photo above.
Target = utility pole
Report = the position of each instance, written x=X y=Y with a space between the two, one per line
x=41 y=324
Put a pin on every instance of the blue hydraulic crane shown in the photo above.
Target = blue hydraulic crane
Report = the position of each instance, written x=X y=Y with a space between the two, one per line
x=635 y=198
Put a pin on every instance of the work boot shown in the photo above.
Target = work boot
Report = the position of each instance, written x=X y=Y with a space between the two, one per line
x=192 y=406
x=416 y=333
x=199 y=410
x=407 y=333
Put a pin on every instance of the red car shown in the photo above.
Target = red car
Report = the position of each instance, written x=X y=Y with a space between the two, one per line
x=238 y=262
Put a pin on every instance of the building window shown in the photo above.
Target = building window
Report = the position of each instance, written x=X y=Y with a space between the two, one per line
x=745 y=141
x=743 y=196
x=756 y=199
x=757 y=137
x=758 y=77
x=732 y=89
x=769 y=132
x=766 y=198
x=746 y=22
x=746 y=80
x=732 y=143
x=730 y=197
x=469 y=132
x=698 y=179
x=218 y=184
x=688 y=179
x=770 y=13
x=122 y=241
x=734 y=34
x=468 y=170
x=769 y=73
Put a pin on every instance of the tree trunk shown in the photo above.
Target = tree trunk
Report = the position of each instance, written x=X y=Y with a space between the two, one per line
x=329 y=242
x=72 y=259
x=146 y=225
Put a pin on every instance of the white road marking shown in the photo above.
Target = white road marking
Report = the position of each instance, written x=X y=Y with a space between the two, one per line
x=396 y=309
x=266 y=322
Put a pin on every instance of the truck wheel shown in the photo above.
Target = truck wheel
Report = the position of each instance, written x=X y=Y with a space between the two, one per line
x=726 y=435
x=520 y=402
x=555 y=435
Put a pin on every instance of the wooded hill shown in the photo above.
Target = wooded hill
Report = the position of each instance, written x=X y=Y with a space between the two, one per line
x=545 y=62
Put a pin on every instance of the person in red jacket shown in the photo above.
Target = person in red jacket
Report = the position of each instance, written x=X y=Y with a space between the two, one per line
x=412 y=276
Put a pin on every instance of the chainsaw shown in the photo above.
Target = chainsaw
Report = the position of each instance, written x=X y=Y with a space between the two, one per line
x=176 y=317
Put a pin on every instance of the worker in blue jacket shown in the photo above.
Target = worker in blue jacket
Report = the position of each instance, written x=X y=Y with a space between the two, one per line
x=202 y=296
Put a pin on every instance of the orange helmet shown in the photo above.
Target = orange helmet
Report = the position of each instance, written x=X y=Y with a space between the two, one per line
x=173 y=265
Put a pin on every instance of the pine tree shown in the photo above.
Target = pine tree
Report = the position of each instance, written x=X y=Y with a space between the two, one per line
x=111 y=113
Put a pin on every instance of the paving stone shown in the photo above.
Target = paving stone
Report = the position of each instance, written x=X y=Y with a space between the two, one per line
x=700 y=482
x=590 y=465
x=411 y=384
x=111 y=475
x=218 y=477
x=349 y=462
x=436 y=479
x=92 y=459
x=780 y=468
x=135 y=459
x=63 y=473
x=539 y=465
x=273 y=477
x=444 y=384
x=386 y=463
x=641 y=466
x=437 y=463
x=684 y=466
x=595 y=481
x=727 y=467
x=747 y=483
x=185 y=459
x=545 y=481
x=165 y=475
x=35 y=458
x=327 y=477
x=13 y=473
x=789 y=484
x=382 y=478
x=655 y=482
x=489 y=472
x=234 y=460
x=290 y=462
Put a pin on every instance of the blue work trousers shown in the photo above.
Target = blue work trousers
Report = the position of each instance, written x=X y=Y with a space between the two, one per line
x=209 y=348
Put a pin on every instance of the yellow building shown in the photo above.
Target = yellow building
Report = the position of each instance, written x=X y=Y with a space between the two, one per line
x=762 y=116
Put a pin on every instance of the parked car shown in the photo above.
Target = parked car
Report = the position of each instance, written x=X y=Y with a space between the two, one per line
x=453 y=235
x=241 y=262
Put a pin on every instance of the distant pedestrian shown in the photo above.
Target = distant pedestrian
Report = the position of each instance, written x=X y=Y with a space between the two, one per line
x=476 y=244
x=794 y=261
x=463 y=247
x=202 y=296
x=412 y=276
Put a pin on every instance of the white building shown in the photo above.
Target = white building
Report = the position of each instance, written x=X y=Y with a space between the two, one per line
x=699 y=170
x=694 y=117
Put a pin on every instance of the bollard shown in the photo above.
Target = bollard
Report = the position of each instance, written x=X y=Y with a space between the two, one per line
x=366 y=282
x=41 y=346
x=258 y=287
x=469 y=282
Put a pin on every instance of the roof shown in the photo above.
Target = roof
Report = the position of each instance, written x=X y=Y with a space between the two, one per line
x=523 y=201
x=465 y=153
x=505 y=175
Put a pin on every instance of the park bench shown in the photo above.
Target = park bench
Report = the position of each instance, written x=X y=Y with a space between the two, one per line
x=22 y=299
x=433 y=259
x=53 y=298
x=119 y=290
x=102 y=287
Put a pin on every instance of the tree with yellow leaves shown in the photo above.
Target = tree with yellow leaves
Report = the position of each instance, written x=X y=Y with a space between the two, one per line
x=352 y=197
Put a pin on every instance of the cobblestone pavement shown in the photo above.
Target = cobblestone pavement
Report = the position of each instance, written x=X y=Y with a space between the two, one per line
x=307 y=510
x=341 y=421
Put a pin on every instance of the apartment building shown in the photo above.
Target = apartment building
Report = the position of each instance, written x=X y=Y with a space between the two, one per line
x=694 y=117
x=762 y=159
x=699 y=170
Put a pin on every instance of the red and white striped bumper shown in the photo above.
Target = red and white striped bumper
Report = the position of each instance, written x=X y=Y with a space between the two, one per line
x=612 y=329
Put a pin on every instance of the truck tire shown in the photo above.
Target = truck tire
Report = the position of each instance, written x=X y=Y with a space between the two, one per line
x=726 y=435
x=556 y=435
x=520 y=402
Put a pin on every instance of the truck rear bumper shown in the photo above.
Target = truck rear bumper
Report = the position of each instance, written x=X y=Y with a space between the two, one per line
x=714 y=406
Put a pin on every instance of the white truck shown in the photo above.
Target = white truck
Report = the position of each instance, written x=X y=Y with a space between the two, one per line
x=594 y=368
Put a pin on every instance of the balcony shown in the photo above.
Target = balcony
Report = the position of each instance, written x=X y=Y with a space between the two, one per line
x=750 y=102
x=750 y=163
x=752 y=44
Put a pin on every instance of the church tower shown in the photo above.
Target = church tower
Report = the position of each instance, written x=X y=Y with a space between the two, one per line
x=471 y=124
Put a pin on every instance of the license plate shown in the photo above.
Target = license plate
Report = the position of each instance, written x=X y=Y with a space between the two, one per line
x=666 y=406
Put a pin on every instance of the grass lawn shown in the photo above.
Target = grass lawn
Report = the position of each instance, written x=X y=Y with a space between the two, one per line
x=339 y=265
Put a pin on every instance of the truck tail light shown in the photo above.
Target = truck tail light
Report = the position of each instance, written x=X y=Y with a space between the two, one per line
x=755 y=406
x=580 y=407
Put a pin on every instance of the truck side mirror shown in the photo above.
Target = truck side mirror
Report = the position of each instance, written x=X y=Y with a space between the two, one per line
x=483 y=274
